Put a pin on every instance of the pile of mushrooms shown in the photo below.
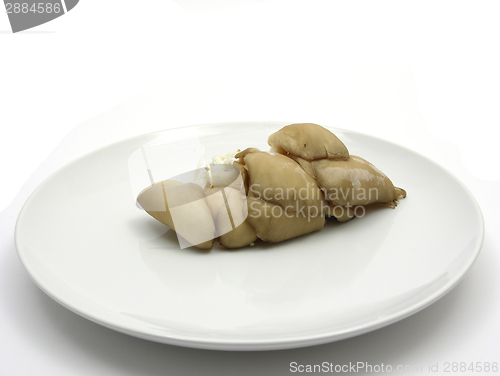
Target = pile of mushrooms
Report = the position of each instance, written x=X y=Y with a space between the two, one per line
x=307 y=176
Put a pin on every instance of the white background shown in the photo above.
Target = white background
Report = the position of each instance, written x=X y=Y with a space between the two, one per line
x=423 y=74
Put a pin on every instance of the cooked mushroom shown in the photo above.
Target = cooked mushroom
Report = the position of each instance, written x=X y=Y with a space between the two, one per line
x=231 y=224
x=279 y=180
x=226 y=197
x=274 y=196
x=283 y=200
x=355 y=182
x=306 y=165
x=244 y=174
x=308 y=141
x=182 y=207
x=273 y=224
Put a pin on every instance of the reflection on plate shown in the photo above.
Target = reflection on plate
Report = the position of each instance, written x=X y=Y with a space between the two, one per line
x=85 y=243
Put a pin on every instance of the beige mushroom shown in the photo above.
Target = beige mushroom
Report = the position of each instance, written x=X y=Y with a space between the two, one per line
x=225 y=175
x=244 y=174
x=306 y=165
x=274 y=225
x=215 y=199
x=279 y=180
x=283 y=200
x=226 y=198
x=272 y=196
x=183 y=208
x=355 y=182
x=308 y=141
x=231 y=224
x=346 y=181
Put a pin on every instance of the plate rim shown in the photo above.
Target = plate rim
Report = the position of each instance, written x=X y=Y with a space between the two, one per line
x=257 y=344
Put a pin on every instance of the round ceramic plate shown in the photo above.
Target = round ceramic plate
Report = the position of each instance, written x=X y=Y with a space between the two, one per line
x=86 y=244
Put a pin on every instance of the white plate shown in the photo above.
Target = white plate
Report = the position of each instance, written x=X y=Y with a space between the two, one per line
x=85 y=243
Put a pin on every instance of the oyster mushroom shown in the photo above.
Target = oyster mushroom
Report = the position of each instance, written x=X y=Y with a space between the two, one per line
x=283 y=201
x=308 y=141
x=244 y=174
x=347 y=181
x=183 y=208
x=273 y=224
x=215 y=199
x=306 y=165
x=226 y=198
x=231 y=223
x=275 y=196
x=279 y=180
x=355 y=182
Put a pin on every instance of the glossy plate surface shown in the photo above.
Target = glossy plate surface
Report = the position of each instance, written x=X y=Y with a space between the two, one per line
x=85 y=243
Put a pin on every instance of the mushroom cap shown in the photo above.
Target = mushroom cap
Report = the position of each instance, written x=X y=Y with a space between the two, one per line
x=306 y=165
x=308 y=141
x=280 y=180
x=229 y=210
x=231 y=224
x=274 y=225
x=354 y=182
x=181 y=207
